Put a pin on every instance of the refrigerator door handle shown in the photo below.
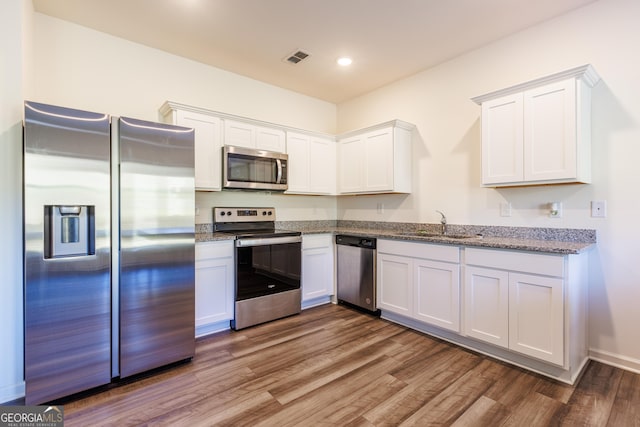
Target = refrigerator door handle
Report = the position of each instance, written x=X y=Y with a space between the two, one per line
x=279 y=177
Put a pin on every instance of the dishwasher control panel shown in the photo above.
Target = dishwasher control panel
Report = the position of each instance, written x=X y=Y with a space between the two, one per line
x=359 y=242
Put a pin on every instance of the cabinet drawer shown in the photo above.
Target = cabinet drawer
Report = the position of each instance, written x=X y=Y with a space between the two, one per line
x=213 y=250
x=527 y=262
x=317 y=241
x=444 y=253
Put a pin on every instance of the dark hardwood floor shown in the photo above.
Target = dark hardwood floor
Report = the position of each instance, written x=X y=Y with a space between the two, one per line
x=332 y=366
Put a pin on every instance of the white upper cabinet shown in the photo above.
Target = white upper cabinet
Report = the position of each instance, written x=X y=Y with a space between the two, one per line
x=312 y=164
x=539 y=132
x=368 y=161
x=248 y=135
x=376 y=159
x=207 y=147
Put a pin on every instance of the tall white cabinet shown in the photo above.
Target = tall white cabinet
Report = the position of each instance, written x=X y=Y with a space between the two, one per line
x=538 y=132
x=208 y=144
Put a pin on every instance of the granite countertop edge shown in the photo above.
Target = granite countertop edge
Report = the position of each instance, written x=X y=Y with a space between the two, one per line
x=494 y=242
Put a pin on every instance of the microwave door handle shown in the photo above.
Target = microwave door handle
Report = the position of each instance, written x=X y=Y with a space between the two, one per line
x=279 y=177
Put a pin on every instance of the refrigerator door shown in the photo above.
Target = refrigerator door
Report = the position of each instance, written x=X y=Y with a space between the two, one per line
x=67 y=251
x=157 y=245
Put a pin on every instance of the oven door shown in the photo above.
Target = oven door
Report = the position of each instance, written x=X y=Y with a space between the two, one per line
x=267 y=266
x=267 y=279
x=254 y=169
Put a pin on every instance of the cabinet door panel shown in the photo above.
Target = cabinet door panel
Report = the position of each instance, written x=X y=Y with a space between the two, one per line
x=536 y=317
x=487 y=305
x=437 y=299
x=378 y=154
x=207 y=147
x=350 y=165
x=214 y=282
x=395 y=283
x=239 y=134
x=550 y=132
x=317 y=273
x=322 y=166
x=213 y=296
x=502 y=135
x=270 y=139
x=298 y=166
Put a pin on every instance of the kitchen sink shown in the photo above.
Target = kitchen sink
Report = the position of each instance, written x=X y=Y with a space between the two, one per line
x=420 y=233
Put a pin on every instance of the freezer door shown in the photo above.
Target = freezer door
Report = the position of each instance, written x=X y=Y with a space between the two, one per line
x=157 y=245
x=67 y=251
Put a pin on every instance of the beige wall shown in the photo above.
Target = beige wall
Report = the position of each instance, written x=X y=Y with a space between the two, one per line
x=447 y=157
x=15 y=54
x=86 y=69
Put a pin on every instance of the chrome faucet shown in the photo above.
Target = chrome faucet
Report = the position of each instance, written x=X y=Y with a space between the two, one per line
x=443 y=221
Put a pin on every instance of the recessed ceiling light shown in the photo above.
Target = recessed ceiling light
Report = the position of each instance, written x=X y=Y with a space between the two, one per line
x=344 y=61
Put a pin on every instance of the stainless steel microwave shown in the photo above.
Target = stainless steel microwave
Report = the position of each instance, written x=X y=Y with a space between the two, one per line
x=252 y=169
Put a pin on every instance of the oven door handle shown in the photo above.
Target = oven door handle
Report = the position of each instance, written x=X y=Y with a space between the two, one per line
x=242 y=243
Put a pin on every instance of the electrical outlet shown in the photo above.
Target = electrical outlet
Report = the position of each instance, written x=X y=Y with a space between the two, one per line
x=505 y=209
x=555 y=210
x=599 y=208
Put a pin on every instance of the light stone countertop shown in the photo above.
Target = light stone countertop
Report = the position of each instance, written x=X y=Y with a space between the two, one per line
x=547 y=240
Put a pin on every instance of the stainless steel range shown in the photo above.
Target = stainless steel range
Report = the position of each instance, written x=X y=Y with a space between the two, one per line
x=268 y=265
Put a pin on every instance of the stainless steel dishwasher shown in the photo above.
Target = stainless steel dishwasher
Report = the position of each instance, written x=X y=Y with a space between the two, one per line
x=357 y=272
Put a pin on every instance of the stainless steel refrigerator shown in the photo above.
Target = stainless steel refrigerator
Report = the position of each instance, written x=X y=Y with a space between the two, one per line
x=109 y=248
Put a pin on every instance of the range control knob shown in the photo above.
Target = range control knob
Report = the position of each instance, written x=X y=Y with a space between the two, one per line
x=264 y=212
x=223 y=213
x=229 y=213
x=270 y=213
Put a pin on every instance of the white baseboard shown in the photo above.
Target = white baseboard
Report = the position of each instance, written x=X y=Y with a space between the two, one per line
x=316 y=302
x=212 y=328
x=617 y=360
x=12 y=392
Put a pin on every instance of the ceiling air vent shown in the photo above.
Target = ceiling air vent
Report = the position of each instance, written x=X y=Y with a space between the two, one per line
x=296 y=57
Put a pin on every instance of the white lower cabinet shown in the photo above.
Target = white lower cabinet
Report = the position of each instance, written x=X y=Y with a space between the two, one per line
x=215 y=278
x=420 y=281
x=437 y=293
x=521 y=312
x=317 y=282
x=394 y=282
x=536 y=316
x=526 y=308
x=487 y=305
x=529 y=303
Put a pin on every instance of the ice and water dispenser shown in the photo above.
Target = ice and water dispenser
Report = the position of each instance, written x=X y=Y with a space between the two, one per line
x=69 y=231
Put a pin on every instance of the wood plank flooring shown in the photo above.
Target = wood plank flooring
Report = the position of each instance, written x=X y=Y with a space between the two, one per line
x=333 y=366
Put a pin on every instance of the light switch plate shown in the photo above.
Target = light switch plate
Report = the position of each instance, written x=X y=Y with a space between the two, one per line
x=599 y=208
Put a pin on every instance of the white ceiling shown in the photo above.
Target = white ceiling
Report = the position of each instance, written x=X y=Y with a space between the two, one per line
x=387 y=39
